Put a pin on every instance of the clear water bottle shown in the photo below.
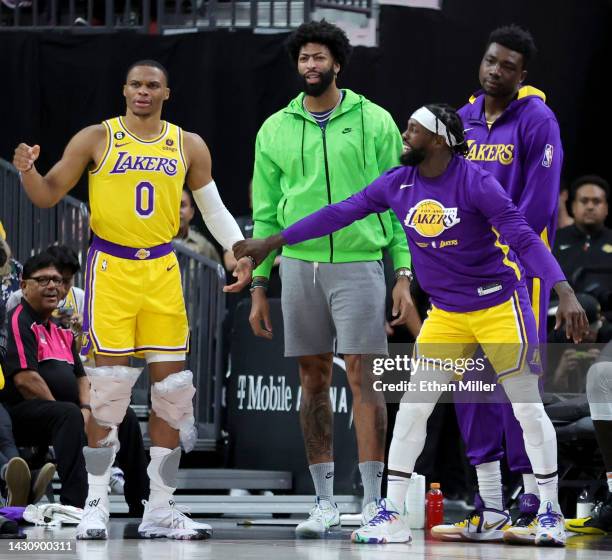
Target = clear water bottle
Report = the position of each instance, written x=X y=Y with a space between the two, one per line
x=584 y=505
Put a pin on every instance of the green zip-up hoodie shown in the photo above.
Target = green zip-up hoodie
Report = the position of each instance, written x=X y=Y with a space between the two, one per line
x=300 y=168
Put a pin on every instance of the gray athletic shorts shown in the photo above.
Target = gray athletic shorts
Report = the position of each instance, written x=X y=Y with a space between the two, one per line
x=333 y=307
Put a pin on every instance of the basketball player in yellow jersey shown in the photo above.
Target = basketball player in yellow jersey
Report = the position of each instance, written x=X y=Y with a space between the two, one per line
x=137 y=166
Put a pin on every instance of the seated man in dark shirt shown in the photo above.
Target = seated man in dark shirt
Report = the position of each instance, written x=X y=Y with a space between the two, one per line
x=584 y=249
x=47 y=391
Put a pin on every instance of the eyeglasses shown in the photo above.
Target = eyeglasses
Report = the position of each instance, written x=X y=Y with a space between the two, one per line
x=44 y=281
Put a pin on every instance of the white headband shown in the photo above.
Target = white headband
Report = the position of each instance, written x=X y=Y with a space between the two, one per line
x=432 y=123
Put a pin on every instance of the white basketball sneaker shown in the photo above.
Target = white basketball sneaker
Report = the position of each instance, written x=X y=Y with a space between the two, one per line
x=388 y=525
x=486 y=524
x=369 y=512
x=550 y=530
x=94 y=521
x=324 y=517
x=169 y=521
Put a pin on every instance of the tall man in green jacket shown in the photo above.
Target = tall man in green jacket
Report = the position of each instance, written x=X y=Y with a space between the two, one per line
x=326 y=145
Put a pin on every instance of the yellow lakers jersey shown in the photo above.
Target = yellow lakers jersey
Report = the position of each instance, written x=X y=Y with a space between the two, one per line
x=135 y=190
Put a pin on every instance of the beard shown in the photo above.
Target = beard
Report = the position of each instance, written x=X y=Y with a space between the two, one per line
x=318 y=89
x=414 y=157
x=501 y=91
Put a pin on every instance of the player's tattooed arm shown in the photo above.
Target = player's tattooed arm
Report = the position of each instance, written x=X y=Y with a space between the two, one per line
x=316 y=419
x=45 y=191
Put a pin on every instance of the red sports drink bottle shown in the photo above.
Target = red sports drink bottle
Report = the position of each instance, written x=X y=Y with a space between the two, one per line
x=434 y=507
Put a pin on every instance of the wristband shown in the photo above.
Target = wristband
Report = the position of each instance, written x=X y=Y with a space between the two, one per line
x=260 y=283
x=86 y=406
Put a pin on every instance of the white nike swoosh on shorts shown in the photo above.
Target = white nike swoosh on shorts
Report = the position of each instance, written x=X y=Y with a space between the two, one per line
x=406 y=186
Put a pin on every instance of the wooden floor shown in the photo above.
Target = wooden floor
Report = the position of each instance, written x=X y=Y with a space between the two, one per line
x=232 y=541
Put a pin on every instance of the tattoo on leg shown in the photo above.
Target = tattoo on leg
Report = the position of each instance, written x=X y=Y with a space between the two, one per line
x=317 y=422
x=380 y=424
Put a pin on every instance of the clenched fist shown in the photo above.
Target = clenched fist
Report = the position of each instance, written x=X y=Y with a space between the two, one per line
x=25 y=156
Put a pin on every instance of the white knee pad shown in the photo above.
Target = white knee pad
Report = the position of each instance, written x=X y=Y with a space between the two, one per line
x=172 y=401
x=532 y=418
x=599 y=390
x=412 y=419
x=409 y=435
x=539 y=436
x=111 y=390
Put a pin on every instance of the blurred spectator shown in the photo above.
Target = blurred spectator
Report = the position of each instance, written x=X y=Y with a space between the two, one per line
x=70 y=308
x=575 y=360
x=47 y=392
x=15 y=476
x=564 y=218
x=19 y=486
x=600 y=329
x=599 y=387
x=188 y=237
x=584 y=249
x=10 y=271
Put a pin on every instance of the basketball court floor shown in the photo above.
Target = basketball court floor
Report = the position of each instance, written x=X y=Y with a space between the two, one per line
x=234 y=540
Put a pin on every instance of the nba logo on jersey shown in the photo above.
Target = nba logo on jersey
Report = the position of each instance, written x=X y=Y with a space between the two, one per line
x=548 y=155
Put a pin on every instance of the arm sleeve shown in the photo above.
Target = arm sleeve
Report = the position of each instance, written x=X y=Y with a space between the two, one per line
x=489 y=197
x=388 y=148
x=266 y=198
x=216 y=216
x=22 y=350
x=337 y=216
x=539 y=201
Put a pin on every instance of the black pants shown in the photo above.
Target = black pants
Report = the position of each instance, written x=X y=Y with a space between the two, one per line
x=8 y=450
x=60 y=424
x=132 y=460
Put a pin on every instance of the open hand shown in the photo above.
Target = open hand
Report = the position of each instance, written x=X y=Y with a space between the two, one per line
x=571 y=314
x=243 y=273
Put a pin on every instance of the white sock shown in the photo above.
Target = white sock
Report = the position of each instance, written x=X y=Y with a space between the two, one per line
x=161 y=493
x=609 y=475
x=549 y=492
x=397 y=489
x=100 y=461
x=490 y=485
x=530 y=484
x=98 y=489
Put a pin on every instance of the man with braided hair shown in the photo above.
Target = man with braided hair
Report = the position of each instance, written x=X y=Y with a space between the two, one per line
x=514 y=135
x=465 y=237
x=134 y=304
